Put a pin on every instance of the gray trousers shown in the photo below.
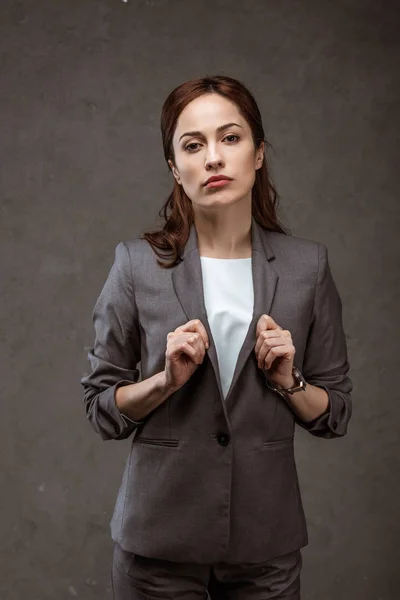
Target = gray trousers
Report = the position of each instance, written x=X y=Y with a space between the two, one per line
x=136 y=577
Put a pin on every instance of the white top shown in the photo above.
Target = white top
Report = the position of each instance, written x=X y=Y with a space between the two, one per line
x=229 y=301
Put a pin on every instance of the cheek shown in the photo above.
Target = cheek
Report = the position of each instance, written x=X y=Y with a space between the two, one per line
x=246 y=165
x=189 y=175
x=247 y=173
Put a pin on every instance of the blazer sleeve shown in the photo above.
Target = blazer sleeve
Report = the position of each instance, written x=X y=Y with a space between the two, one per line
x=325 y=360
x=116 y=351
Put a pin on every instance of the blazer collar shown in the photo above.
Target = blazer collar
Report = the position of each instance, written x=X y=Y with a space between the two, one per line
x=188 y=284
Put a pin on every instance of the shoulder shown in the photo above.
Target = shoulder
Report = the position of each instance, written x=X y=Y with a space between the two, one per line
x=133 y=244
x=296 y=248
x=137 y=251
x=301 y=259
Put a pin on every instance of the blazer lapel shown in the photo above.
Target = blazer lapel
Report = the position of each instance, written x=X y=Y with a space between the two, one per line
x=188 y=284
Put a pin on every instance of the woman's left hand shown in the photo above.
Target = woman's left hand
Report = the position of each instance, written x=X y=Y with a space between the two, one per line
x=275 y=351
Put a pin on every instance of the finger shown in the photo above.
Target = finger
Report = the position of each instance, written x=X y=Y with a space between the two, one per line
x=196 y=341
x=202 y=330
x=275 y=334
x=177 y=348
x=269 y=344
x=266 y=322
x=195 y=325
x=265 y=343
x=192 y=339
x=286 y=351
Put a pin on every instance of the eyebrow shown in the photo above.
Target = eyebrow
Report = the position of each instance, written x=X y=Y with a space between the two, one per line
x=220 y=128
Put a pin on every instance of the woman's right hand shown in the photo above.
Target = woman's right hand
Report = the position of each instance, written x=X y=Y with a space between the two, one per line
x=186 y=348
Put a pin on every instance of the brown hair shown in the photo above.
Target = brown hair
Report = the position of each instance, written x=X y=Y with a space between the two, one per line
x=174 y=234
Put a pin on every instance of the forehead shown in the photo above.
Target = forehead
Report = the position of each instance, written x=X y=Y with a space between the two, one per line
x=206 y=113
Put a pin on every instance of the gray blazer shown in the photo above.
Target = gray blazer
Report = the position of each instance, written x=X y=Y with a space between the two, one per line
x=207 y=478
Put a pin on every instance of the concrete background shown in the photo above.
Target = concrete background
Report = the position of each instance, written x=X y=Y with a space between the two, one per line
x=82 y=85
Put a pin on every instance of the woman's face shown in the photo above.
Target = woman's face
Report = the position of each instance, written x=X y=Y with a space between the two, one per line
x=208 y=152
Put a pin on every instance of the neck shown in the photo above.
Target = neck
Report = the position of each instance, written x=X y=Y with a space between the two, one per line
x=224 y=235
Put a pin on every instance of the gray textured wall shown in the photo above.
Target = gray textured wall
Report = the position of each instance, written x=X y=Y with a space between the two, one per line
x=82 y=85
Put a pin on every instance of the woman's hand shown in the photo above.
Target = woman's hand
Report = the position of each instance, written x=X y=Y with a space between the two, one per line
x=275 y=352
x=186 y=348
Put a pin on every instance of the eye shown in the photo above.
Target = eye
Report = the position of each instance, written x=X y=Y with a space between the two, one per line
x=189 y=145
x=231 y=135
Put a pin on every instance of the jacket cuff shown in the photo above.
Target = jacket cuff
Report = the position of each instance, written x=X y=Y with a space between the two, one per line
x=329 y=424
x=106 y=418
x=126 y=419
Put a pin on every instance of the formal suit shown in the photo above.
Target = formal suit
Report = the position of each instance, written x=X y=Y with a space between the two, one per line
x=210 y=478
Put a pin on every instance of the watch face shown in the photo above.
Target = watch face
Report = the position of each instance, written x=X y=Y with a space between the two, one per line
x=300 y=383
x=297 y=374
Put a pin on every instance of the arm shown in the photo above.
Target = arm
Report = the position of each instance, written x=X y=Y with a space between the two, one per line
x=116 y=351
x=309 y=404
x=325 y=362
x=136 y=401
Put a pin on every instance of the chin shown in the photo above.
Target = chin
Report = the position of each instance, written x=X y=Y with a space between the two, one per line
x=224 y=200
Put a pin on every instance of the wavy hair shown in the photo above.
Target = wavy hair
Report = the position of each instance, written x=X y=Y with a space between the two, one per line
x=178 y=211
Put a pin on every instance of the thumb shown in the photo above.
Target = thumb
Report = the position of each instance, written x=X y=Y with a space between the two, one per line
x=266 y=322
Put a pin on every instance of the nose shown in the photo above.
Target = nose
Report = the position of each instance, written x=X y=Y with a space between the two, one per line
x=213 y=159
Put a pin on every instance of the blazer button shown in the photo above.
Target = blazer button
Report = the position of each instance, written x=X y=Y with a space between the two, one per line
x=223 y=439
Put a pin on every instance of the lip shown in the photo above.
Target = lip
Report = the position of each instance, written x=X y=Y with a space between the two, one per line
x=217 y=179
x=217 y=184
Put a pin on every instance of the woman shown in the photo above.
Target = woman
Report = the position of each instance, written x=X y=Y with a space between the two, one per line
x=238 y=328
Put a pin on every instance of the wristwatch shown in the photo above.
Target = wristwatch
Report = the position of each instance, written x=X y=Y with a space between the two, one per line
x=300 y=381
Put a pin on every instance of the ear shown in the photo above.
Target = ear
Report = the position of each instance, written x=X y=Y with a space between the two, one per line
x=260 y=156
x=174 y=171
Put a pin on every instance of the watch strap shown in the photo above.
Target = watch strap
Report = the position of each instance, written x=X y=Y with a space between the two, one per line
x=300 y=384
